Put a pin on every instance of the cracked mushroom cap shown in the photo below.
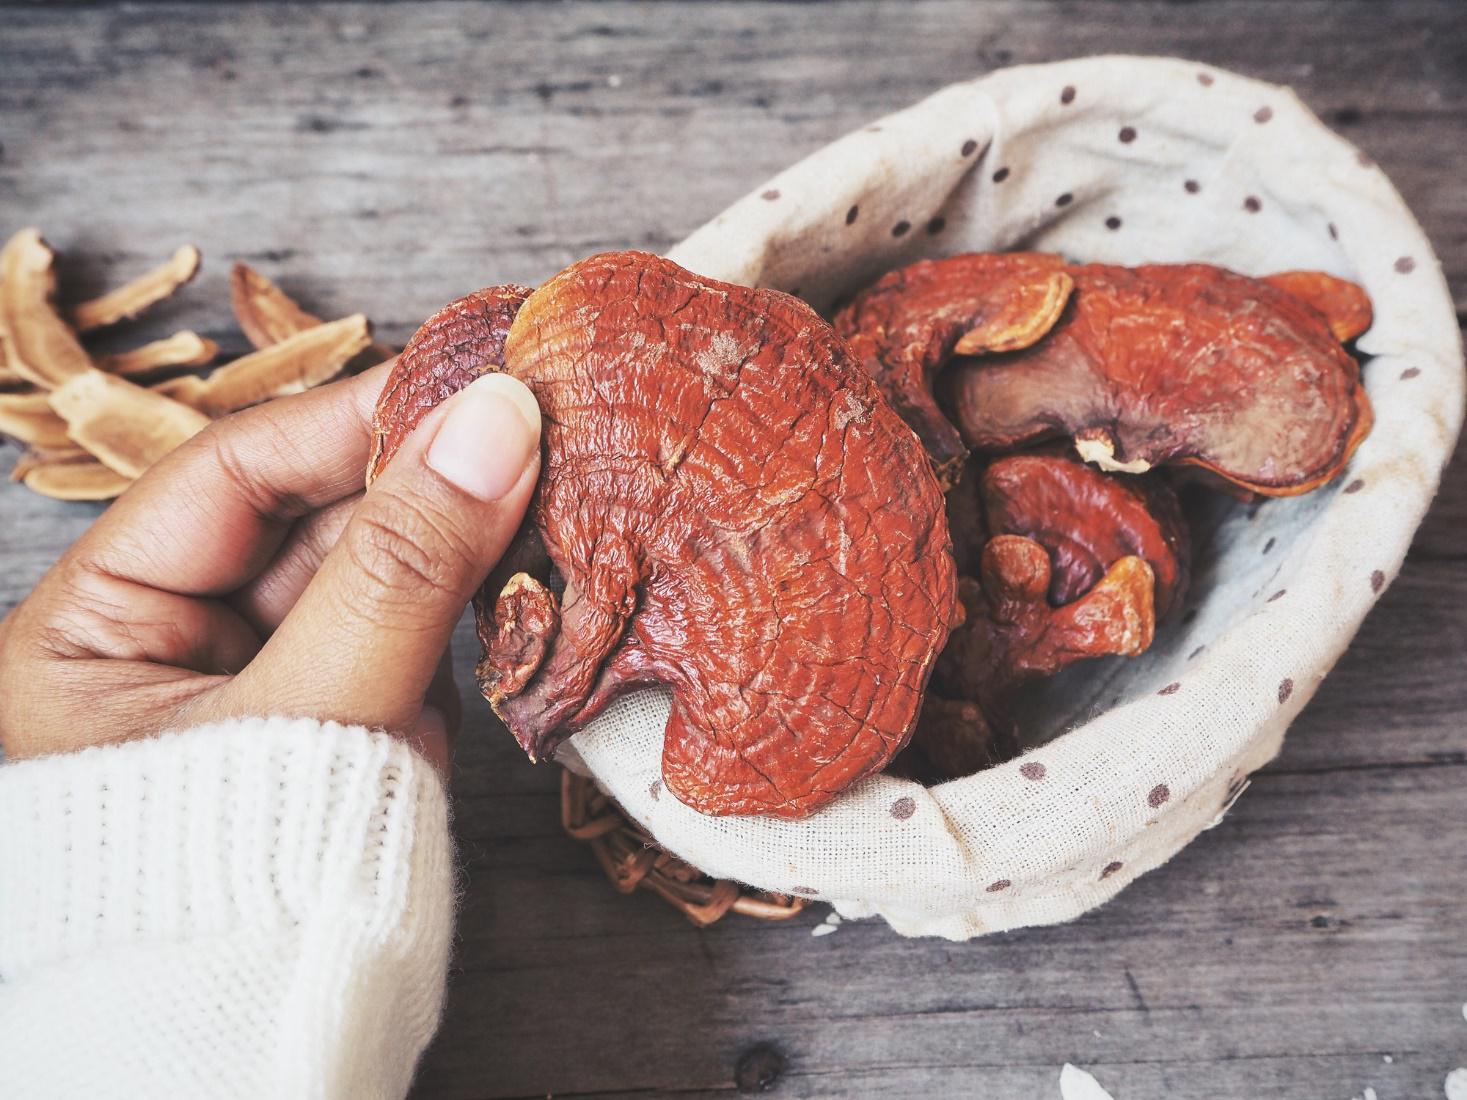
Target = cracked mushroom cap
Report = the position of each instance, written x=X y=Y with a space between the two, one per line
x=1183 y=363
x=731 y=510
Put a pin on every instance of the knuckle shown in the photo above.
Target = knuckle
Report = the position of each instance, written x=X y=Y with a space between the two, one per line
x=400 y=550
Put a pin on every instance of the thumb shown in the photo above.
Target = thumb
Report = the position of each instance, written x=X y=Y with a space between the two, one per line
x=363 y=641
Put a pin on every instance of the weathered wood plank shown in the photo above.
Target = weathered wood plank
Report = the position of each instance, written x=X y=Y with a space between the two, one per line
x=386 y=158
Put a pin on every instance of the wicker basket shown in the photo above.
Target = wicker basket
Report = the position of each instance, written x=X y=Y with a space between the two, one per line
x=631 y=858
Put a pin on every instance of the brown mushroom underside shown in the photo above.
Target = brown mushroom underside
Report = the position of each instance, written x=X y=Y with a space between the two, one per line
x=733 y=511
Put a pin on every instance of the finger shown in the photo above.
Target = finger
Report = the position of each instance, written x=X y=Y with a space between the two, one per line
x=364 y=639
x=438 y=722
x=266 y=600
x=210 y=516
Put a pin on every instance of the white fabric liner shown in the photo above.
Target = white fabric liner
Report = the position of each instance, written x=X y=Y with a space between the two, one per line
x=1126 y=774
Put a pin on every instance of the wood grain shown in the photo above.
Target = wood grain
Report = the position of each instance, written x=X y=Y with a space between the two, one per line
x=385 y=158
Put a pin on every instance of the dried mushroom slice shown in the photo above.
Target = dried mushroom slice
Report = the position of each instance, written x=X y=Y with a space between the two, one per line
x=132 y=298
x=268 y=316
x=182 y=349
x=40 y=347
x=127 y=427
x=1088 y=520
x=71 y=477
x=291 y=366
x=1177 y=364
x=907 y=326
x=1344 y=305
x=29 y=418
x=716 y=499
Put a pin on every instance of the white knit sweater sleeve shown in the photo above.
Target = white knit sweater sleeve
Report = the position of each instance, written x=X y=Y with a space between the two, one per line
x=260 y=908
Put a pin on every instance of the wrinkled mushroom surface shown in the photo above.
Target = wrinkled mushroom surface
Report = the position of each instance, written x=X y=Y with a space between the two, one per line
x=732 y=510
x=906 y=327
x=1177 y=363
x=1088 y=520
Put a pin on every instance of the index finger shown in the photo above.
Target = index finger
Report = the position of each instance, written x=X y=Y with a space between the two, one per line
x=209 y=516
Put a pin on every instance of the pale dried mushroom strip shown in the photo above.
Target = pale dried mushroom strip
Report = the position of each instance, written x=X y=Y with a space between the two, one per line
x=266 y=314
x=29 y=418
x=182 y=349
x=132 y=298
x=40 y=346
x=291 y=366
x=126 y=426
x=79 y=478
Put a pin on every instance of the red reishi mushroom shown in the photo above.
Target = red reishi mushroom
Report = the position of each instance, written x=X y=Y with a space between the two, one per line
x=1183 y=363
x=716 y=500
x=910 y=323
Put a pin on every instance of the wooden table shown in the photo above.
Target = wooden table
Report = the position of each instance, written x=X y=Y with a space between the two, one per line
x=389 y=157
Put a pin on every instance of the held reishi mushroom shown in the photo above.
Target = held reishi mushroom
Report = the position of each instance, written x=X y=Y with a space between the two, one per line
x=1184 y=363
x=910 y=323
x=717 y=501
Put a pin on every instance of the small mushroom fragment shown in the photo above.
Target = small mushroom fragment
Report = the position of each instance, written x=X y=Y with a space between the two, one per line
x=906 y=327
x=182 y=349
x=1088 y=520
x=39 y=346
x=716 y=499
x=132 y=298
x=125 y=426
x=1177 y=364
x=292 y=366
x=1344 y=304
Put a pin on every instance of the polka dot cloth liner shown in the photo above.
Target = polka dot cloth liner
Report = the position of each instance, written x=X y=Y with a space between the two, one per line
x=1123 y=160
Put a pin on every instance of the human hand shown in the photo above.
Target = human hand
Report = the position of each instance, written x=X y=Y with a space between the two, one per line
x=247 y=574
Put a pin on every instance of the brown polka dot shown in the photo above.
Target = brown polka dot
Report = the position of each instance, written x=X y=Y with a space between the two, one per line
x=1112 y=222
x=969 y=147
x=1192 y=187
x=1410 y=373
x=1205 y=79
x=1001 y=884
x=1277 y=595
x=655 y=790
x=1065 y=199
x=937 y=225
x=1262 y=115
x=1158 y=796
x=1334 y=232
x=1377 y=581
x=1068 y=94
x=1363 y=159
x=1354 y=486
x=900 y=229
x=770 y=195
x=1405 y=265
x=903 y=808
x=1253 y=204
x=1171 y=688
x=852 y=214
x=1196 y=653
x=1111 y=868
x=873 y=129
x=1269 y=545
x=807 y=891
x=1001 y=175
x=1032 y=770
x=1127 y=135
x=1286 y=688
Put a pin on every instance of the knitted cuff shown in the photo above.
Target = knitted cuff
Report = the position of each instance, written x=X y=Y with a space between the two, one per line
x=260 y=822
